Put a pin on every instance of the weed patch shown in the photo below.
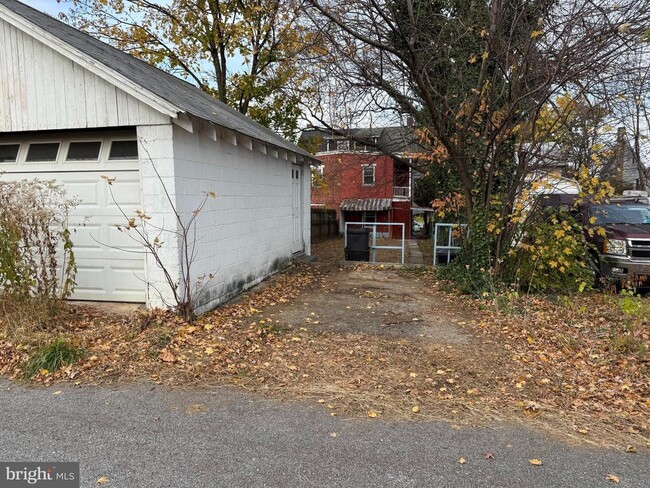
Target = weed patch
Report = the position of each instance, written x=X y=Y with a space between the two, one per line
x=51 y=357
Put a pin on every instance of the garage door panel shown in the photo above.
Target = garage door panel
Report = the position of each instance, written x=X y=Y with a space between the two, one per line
x=125 y=192
x=110 y=264
x=103 y=240
x=87 y=190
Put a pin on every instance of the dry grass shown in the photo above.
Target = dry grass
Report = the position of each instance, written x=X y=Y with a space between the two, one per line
x=542 y=364
x=22 y=317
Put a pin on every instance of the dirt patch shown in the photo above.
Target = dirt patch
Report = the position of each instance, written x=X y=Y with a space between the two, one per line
x=380 y=303
x=406 y=348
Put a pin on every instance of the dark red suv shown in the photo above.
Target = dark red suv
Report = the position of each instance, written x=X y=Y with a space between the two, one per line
x=624 y=250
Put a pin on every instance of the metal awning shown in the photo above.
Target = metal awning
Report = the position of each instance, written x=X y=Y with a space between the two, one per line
x=366 y=204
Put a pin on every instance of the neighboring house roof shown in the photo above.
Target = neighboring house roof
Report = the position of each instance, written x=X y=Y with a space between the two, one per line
x=185 y=97
x=392 y=140
x=366 y=204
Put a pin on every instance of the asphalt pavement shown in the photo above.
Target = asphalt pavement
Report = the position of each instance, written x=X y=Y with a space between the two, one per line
x=149 y=436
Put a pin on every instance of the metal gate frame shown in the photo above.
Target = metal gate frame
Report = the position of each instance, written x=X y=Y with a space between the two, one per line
x=450 y=240
x=374 y=245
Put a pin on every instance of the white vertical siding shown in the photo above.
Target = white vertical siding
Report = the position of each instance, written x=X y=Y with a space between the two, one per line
x=41 y=89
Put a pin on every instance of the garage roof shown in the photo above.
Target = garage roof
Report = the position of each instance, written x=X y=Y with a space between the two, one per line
x=366 y=204
x=184 y=96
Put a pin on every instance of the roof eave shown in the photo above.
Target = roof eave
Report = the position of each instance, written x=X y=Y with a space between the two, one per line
x=89 y=63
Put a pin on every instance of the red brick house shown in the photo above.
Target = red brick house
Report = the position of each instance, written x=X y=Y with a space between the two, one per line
x=360 y=183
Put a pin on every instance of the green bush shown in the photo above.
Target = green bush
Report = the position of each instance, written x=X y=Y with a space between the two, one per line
x=553 y=257
x=51 y=357
x=471 y=270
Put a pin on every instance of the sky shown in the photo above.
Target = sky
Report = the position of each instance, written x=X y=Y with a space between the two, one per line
x=50 y=6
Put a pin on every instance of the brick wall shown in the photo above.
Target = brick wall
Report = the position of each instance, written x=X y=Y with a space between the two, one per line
x=343 y=178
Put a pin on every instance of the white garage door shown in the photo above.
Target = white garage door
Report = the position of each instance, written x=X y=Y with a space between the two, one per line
x=110 y=264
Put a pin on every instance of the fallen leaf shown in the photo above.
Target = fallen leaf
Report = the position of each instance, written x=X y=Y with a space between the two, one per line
x=613 y=478
x=489 y=455
x=372 y=414
x=461 y=460
x=57 y=392
x=630 y=448
x=536 y=462
x=167 y=356
x=102 y=480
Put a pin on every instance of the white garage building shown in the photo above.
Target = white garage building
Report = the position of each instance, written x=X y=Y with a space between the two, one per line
x=73 y=109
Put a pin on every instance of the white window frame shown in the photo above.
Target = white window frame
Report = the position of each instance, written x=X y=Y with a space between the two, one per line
x=18 y=154
x=38 y=142
x=110 y=146
x=73 y=141
x=372 y=166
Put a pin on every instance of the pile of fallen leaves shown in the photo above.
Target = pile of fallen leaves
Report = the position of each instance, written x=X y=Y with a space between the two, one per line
x=580 y=359
x=561 y=365
x=158 y=343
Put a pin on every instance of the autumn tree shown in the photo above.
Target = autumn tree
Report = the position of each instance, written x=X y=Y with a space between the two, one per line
x=242 y=52
x=477 y=75
x=630 y=108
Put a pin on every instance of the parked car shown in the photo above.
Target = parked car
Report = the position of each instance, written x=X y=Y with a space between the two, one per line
x=624 y=249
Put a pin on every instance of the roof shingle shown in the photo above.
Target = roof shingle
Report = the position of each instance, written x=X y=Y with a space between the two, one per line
x=185 y=96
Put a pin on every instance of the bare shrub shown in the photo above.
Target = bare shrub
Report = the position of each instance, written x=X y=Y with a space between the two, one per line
x=37 y=264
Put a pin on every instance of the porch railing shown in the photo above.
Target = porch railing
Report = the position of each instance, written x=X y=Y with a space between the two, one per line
x=402 y=191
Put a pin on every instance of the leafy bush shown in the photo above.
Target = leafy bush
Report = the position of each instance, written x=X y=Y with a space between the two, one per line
x=51 y=357
x=471 y=271
x=553 y=257
x=35 y=242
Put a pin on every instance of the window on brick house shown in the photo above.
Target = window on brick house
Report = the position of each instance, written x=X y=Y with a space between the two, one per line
x=368 y=174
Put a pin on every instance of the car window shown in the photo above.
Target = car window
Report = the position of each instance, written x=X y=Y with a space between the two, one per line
x=620 y=214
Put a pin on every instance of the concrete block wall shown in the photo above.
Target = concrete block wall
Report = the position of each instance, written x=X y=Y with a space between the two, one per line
x=156 y=147
x=245 y=234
